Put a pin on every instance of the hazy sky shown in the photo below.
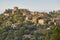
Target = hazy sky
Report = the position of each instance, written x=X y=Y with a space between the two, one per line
x=33 y=5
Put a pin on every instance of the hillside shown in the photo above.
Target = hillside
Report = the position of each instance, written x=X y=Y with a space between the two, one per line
x=22 y=24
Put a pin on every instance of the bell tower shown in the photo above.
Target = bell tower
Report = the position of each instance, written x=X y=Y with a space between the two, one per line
x=15 y=10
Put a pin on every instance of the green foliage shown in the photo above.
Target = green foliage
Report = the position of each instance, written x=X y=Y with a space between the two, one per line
x=47 y=36
x=21 y=27
x=56 y=34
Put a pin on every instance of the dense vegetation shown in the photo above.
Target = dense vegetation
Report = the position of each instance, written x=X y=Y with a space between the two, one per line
x=15 y=27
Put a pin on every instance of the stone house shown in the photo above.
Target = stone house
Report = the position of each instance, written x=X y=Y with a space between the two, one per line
x=41 y=21
x=28 y=17
x=57 y=21
x=34 y=13
x=6 y=14
x=41 y=14
x=24 y=11
x=15 y=10
x=34 y=19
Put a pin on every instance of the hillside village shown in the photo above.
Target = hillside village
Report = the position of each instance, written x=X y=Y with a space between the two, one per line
x=35 y=17
x=29 y=23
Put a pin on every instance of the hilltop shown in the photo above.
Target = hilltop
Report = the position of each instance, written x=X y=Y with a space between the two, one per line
x=25 y=15
x=18 y=24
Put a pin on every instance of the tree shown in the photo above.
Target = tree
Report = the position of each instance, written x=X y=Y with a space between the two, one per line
x=47 y=36
x=56 y=34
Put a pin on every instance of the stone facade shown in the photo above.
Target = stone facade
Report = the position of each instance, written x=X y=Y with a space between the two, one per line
x=15 y=10
x=34 y=19
x=29 y=16
x=41 y=21
x=6 y=14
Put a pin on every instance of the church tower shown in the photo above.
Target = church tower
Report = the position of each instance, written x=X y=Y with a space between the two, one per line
x=15 y=10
